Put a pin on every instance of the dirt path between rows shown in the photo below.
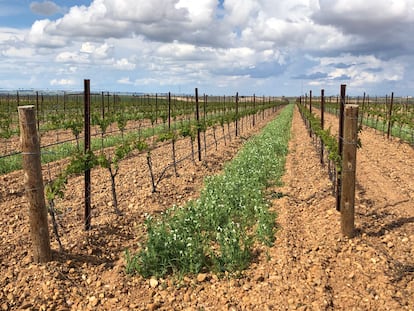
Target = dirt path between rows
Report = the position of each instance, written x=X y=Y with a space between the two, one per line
x=310 y=267
x=320 y=269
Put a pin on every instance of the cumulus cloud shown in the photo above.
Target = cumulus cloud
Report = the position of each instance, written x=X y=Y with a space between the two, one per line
x=355 y=70
x=125 y=80
x=124 y=64
x=40 y=36
x=18 y=52
x=210 y=42
x=101 y=51
x=71 y=57
x=381 y=27
x=62 y=82
x=201 y=13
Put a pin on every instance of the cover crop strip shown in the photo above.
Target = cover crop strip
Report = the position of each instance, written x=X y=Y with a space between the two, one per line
x=219 y=230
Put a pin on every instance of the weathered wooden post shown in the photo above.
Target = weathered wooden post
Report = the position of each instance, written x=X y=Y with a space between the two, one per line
x=254 y=109
x=33 y=181
x=350 y=140
x=198 y=124
x=322 y=121
x=340 y=145
x=169 y=110
x=310 y=111
x=361 y=114
x=390 y=116
x=237 y=114
x=87 y=149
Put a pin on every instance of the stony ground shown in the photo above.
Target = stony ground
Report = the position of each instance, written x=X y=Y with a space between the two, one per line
x=310 y=267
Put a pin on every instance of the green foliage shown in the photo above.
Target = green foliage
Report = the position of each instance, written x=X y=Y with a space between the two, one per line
x=167 y=135
x=140 y=145
x=55 y=188
x=5 y=126
x=56 y=121
x=376 y=114
x=189 y=129
x=103 y=123
x=218 y=230
x=121 y=120
x=330 y=141
x=79 y=162
x=120 y=152
x=75 y=125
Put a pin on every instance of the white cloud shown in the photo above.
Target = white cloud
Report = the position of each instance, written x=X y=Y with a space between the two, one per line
x=141 y=11
x=18 y=52
x=71 y=57
x=358 y=70
x=8 y=34
x=40 y=36
x=239 y=13
x=251 y=43
x=87 y=47
x=124 y=64
x=376 y=12
x=125 y=80
x=177 y=50
x=201 y=12
x=62 y=82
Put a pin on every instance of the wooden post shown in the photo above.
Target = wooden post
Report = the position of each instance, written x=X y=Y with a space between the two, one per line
x=390 y=116
x=87 y=130
x=322 y=121
x=37 y=111
x=237 y=114
x=103 y=105
x=254 y=109
x=310 y=101
x=169 y=110
x=340 y=145
x=198 y=124
x=348 y=170
x=33 y=180
x=204 y=123
x=361 y=118
x=310 y=111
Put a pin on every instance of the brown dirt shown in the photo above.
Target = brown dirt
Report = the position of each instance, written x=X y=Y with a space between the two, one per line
x=310 y=267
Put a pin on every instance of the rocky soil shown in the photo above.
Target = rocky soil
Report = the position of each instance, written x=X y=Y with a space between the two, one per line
x=310 y=267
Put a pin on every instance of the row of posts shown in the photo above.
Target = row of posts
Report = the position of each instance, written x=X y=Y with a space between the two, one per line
x=347 y=147
x=33 y=178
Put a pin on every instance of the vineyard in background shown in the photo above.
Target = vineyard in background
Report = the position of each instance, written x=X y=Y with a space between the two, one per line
x=82 y=131
x=115 y=117
x=75 y=139
x=392 y=116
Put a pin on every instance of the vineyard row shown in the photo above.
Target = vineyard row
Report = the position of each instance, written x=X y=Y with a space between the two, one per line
x=143 y=142
x=61 y=129
x=392 y=116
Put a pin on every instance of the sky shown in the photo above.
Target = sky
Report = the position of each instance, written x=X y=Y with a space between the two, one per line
x=262 y=47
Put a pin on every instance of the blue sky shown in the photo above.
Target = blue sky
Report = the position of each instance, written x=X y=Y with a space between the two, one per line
x=282 y=47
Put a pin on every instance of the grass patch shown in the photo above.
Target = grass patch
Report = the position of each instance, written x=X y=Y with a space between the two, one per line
x=218 y=231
